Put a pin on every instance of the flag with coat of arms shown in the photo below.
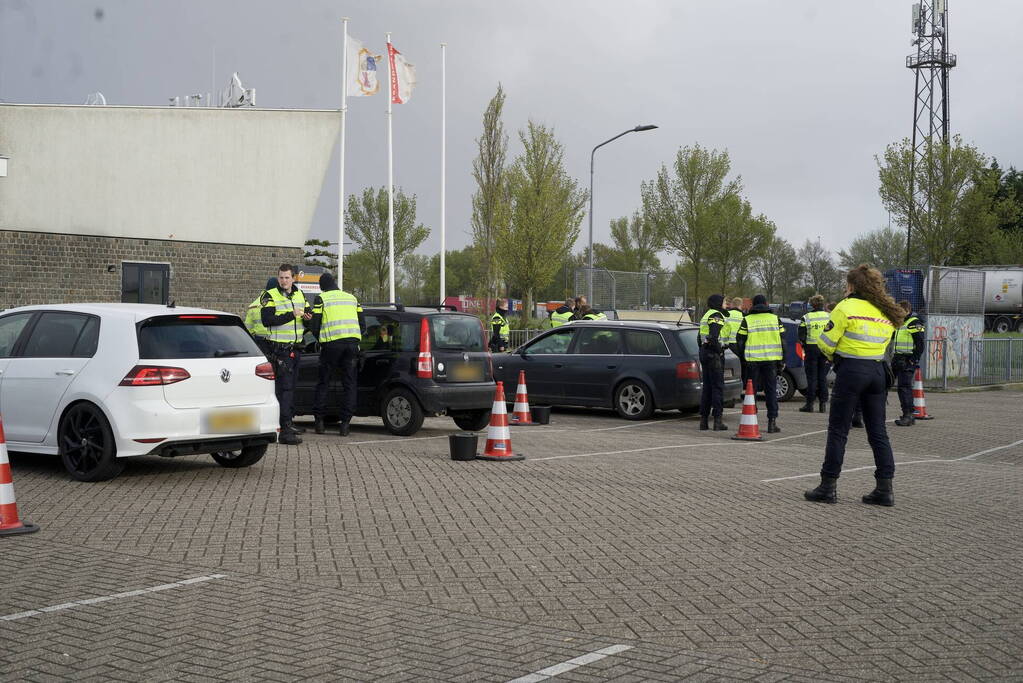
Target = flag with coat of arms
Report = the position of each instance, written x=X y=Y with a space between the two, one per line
x=362 y=70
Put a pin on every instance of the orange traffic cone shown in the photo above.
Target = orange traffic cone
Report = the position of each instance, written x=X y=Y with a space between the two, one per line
x=521 y=414
x=749 y=428
x=498 y=435
x=919 y=402
x=10 y=523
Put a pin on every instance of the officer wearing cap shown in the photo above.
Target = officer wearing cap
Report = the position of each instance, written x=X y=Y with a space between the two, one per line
x=759 y=338
x=712 y=363
x=284 y=312
x=338 y=324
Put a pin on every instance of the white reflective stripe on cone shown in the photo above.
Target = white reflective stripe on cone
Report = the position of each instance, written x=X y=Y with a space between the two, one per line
x=499 y=434
x=748 y=420
x=6 y=494
x=521 y=407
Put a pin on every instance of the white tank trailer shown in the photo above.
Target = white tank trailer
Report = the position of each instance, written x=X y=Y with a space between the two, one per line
x=1003 y=298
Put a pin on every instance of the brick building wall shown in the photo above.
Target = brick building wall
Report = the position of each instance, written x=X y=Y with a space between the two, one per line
x=45 y=268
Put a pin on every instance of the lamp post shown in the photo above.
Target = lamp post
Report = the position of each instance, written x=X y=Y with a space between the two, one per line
x=589 y=269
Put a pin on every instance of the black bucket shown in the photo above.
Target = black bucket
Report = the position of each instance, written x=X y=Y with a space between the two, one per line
x=462 y=445
x=541 y=414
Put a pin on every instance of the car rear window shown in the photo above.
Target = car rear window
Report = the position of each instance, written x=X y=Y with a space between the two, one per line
x=456 y=333
x=194 y=336
x=687 y=338
x=645 y=343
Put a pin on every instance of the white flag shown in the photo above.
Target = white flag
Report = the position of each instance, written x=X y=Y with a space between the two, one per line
x=403 y=77
x=362 y=70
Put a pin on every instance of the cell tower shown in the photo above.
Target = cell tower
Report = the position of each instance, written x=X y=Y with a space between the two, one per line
x=930 y=66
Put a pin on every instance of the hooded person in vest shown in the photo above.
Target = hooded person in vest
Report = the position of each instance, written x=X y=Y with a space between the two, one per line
x=759 y=339
x=857 y=337
x=909 y=346
x=499 y=327
x=338 y=324
x=284 y=312
x=712 y=362
x=562 y=314
x=254 y=322
x=815 y=362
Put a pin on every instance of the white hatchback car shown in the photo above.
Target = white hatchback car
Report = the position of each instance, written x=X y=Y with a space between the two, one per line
x=96 y=383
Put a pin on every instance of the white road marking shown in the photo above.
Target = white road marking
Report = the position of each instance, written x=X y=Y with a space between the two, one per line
x=106 y=598
x=964 y=458
x=794 y=436
x=637 y=450
x=564 y=667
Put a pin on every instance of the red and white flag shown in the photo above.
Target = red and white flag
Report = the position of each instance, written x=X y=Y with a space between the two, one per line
x=403 y=76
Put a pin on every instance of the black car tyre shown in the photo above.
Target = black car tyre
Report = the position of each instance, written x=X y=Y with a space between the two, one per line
x=785 y=386
x=86 y=444
x=245 y=457
x=472 y=420
x=401 y=412
x=633 y=400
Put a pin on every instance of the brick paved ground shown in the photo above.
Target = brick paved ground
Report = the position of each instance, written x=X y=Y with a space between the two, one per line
x=380 y=558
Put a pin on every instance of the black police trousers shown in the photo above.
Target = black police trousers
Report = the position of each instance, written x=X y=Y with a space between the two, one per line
x=712 y=396
x=285 y=361
x=905 y=372
x=816 y=364
x=342 y=354
x=764 y=374
x=859 y=382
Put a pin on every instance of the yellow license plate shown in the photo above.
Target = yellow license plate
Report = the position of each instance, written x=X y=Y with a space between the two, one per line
x=467 y=372
x=230 y=422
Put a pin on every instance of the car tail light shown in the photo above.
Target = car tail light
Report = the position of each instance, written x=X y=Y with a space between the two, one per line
x=424 y=366
x=799 y=351
x=153 y=375
x=688 y=370
x=266 y=371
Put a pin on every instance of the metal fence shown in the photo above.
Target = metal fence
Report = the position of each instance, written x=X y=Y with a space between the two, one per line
x=935 y=363
x=993 y=361
x=625 y=290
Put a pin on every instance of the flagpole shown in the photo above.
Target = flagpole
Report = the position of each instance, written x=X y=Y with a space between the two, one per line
x=390 y=175
x=443 y=160
x=341 y=158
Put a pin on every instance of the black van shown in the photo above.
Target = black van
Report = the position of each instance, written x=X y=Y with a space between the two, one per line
x=414 y=362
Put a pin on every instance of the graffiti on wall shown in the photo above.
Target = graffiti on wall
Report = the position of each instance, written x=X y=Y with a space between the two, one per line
x=948 y=348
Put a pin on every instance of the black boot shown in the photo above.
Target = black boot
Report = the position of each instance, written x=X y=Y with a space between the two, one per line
x=823 y=407
x=343 y=429
x=857 y=422
x=881 y=495
x=292 y=427
x=703 y=423
x=907 y=420
x=288 y=438
x=808 y=407
x=772 y=425
x=318 y=425
x=827 y=492
x=719 y=426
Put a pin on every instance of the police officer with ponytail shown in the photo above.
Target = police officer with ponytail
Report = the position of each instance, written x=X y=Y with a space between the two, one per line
x=712 y=362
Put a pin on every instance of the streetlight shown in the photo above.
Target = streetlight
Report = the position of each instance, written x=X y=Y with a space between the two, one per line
x=589 y=271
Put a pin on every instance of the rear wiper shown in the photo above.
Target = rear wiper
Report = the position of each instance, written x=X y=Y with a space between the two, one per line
x=220 y=353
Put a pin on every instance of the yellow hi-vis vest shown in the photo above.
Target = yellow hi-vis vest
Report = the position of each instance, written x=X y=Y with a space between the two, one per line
x=731 y=329
x=763 y=337
x=904 y=335
x=814 y=322
x=712 y=317
x=503 y=322
x=291 y=331
x=253 y=322
x=340 y=316
x=857 y=329
x=595 y=316
x=559 y=319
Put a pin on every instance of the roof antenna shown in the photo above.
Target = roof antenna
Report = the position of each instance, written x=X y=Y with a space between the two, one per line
x=171 y=304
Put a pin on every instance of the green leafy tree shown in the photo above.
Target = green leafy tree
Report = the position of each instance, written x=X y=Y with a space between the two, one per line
x=414 y=269
x=366 y=218
x=319 y=254
x=883 y=248
x=360 y=276
x=546 y=210
x=491 y=207
x=635 y=242
x=463 y=272
x=778 y=270
x=682 y=203
x=739 y=238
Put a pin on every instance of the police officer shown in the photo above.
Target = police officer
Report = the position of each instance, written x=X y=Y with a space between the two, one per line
x=562 y=314
x=735 y=316
x=712 y=362
x=499 y=327
x=338 y=324
x=857 y=337
x=815 y=362
x=759 y=339
x=591 y=314
x=284 y=312
x=579 y=302
x=254 y=322
x=909 y=346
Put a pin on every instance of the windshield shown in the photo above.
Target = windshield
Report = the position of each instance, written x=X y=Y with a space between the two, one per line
x=456 y=333
x=194 y=336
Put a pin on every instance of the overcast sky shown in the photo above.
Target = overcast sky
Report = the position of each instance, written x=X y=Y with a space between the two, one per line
x=802 y=93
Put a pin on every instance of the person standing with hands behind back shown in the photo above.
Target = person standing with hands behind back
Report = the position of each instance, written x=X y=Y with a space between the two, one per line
x=857 y=338
x=284 y=312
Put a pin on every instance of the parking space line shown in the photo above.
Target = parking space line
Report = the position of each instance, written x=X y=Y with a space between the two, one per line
x=795 y=436
x=575 y=663
x=106 y=598
x=638 y=450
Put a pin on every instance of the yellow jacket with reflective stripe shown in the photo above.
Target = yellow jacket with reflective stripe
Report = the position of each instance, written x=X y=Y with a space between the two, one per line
x=857 y=329
x=904 y=335
x=559 y=319
x=814 y=322
x=713 y=317
x=498 y=319
x=731 y=329
x=291 y=331
x=253 y=323
x=339 y=312
x=763 y=337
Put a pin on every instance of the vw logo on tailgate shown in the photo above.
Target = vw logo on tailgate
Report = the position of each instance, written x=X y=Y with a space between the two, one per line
x=225 y=375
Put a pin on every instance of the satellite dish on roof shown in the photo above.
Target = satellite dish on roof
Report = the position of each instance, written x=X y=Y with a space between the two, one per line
x=96 y=98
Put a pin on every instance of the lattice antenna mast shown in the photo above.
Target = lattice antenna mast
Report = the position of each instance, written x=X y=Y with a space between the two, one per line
x=930 y=66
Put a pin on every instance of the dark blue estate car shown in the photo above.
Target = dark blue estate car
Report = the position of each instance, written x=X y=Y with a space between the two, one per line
x=631 y=366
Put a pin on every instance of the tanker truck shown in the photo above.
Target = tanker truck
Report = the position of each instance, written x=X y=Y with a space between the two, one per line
x=1003 y=298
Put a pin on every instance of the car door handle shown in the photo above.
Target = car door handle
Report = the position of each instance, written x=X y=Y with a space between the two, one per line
x=611 y=367
x=64 y=372
x=557 y=365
